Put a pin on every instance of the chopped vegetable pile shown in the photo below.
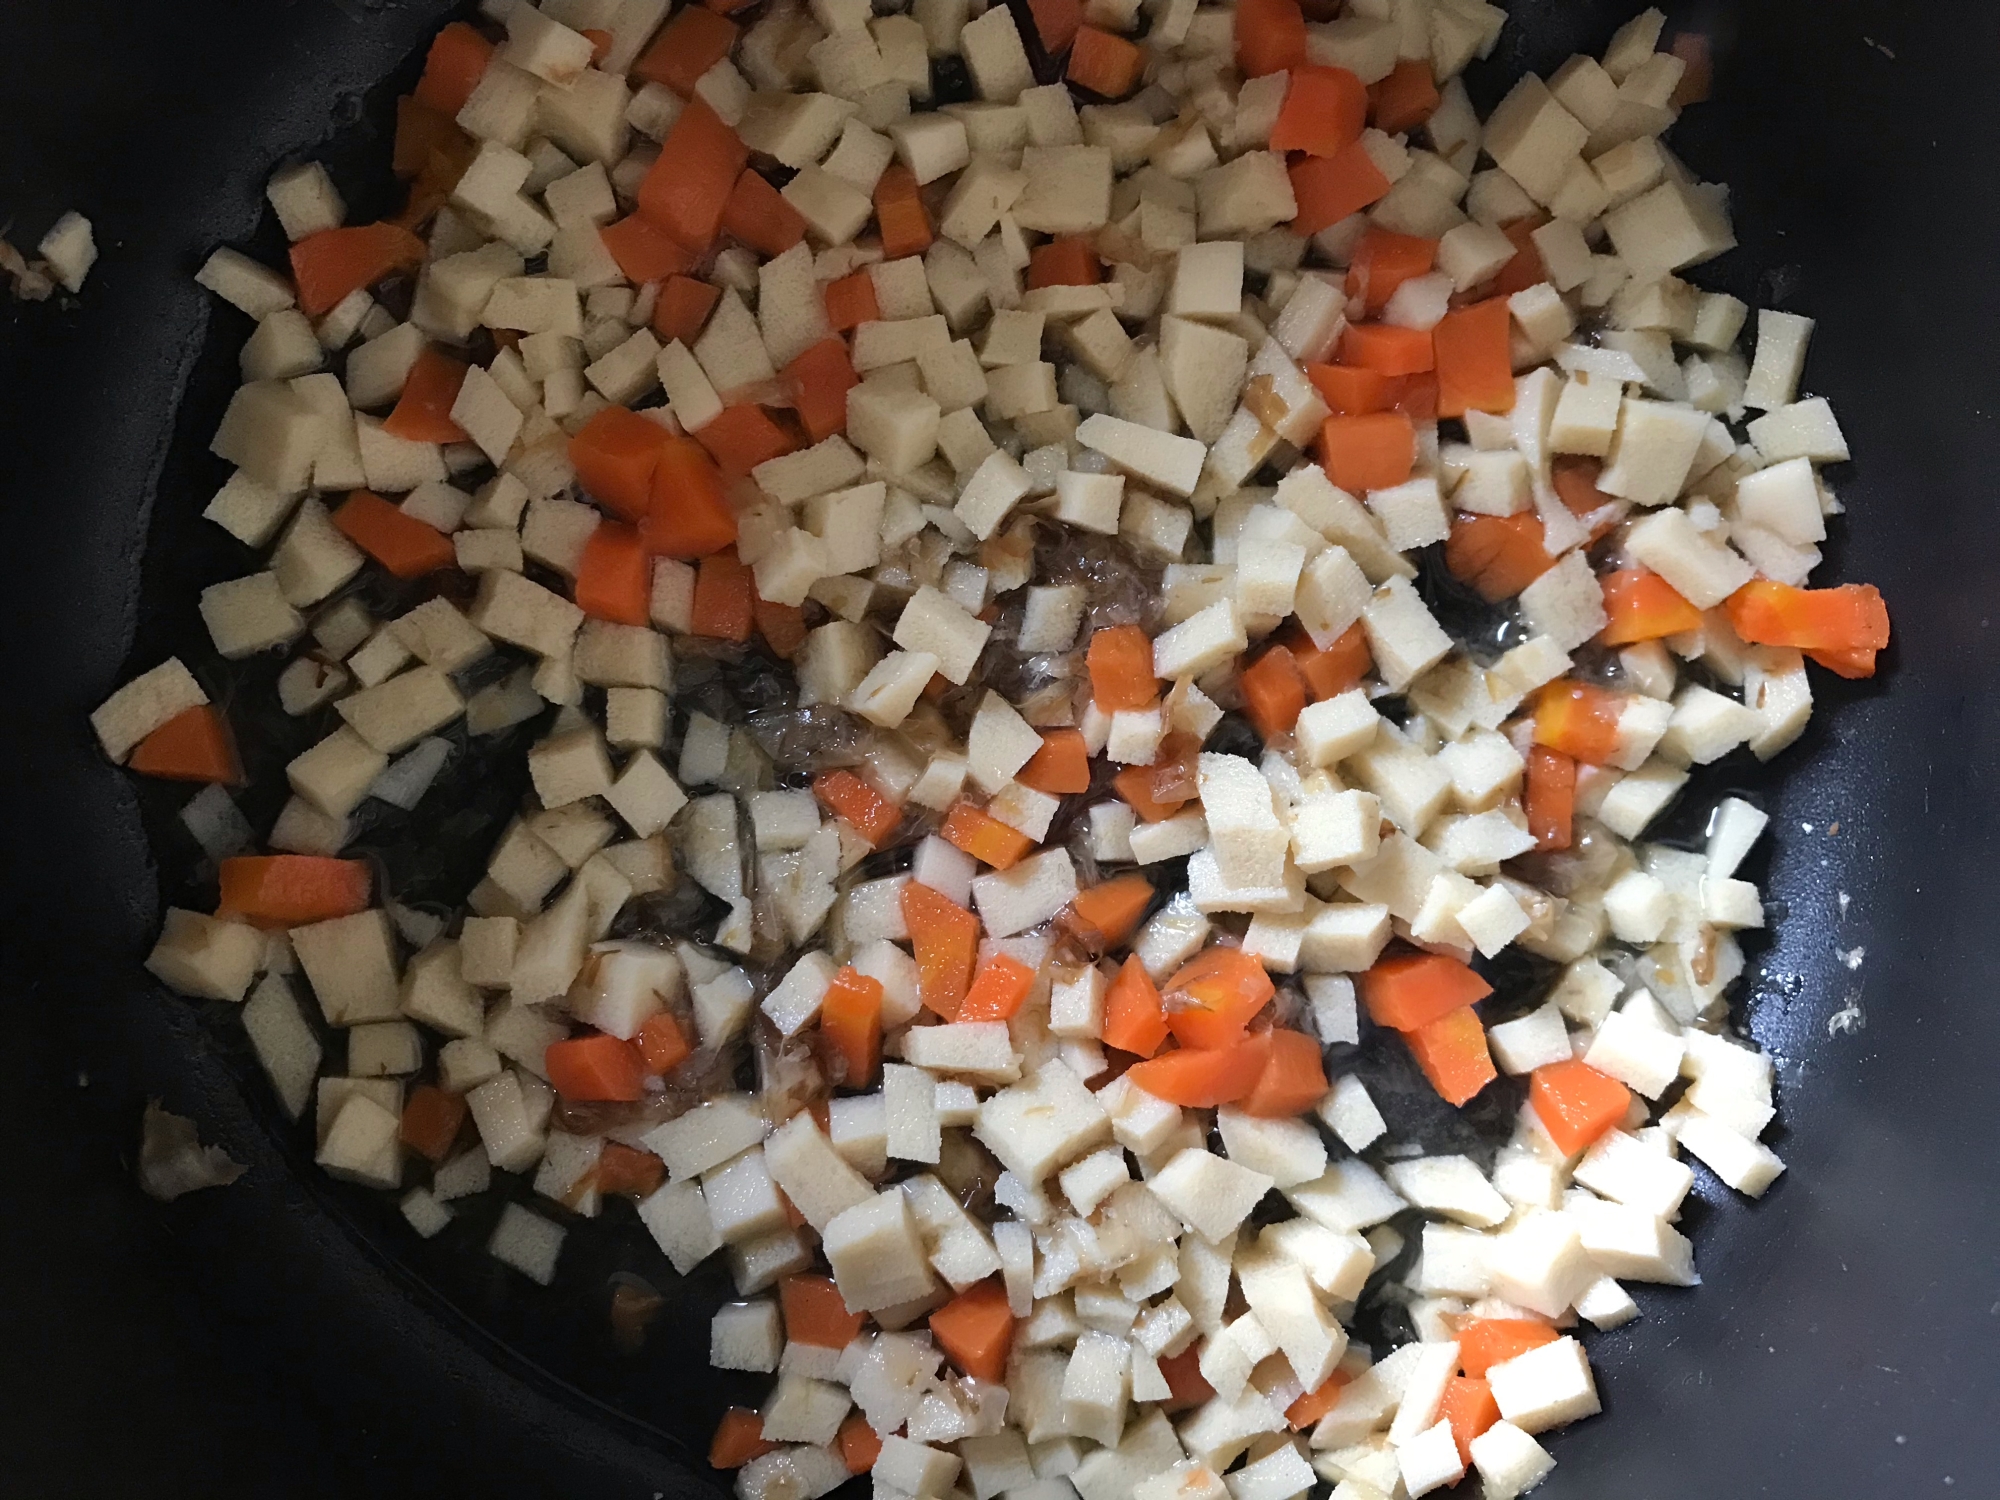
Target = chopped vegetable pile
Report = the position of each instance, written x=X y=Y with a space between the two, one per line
x=979 y=553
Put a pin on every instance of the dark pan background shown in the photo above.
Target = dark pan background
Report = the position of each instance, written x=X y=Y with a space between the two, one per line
x=285 y=1337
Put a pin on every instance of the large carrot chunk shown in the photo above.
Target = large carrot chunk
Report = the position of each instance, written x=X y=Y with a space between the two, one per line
x=1406 y=98
x=1408 y=990
x=1293 y=1080
x=687 y=188
x=614 y=581
x=739 y=1437
x=682 y=308
x=820 y=379
x=423 y=411
x=761 y=217
x=850 y=1023
x=1274 y=693
x=1328 y=189
x=742 y=437
x=1643 y=606
x=1576 y=1104
x=1840 y=628
x=645 y=251
x=1579 y=719
x=1497 y=556
x=1198 y=1078
x=694 y=41
x=1453 y=1053
x=407 y=547
x=689 y=515
x=816 y=1314
x=1211 y=998
x=290 y=890
x=596 y=1068
x=976 y=1329
x=1270 y=37
x=1107 y=65
x=1110 y=910
x=998 y=989
x=452 y=69
x=1134 y=1020
x=1486 y=1342
x=866 y=810
x=900 y=213
x=1061 y=767
x=1475 y=369
x=614 y=455
x=329 y=265
x=1120 y=660
x=431 y=1120
x=984 y=836
x=1324 y=113
x=1550 y=797
x=725 y=598
x=194 y=745
x=1375 y=452
x=946 y=939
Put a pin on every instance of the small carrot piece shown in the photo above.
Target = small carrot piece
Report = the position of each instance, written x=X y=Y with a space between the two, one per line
x=815 y=1313
x=1576 y=1104
x=407 y=547
x=1061 y=767
x=1375 y=452
x=724 y=598
x=663 y=1045
x=1335 y=670
x=421 y=131
x=628 y=1172
x=1274 y=693
x=1328 y=189
x=1203 y=1078
x=1468 y=1404
x=1111 y=909
x=328 y=266
x=783 y=626
x=1324 y=112
x=1067 y=260
x=290 y=890
x=644 y=250
x=452 y=68
x=431 y=1119
x=595 y=1068
x=614 y=580
x=761 y=217
x=1550 y=797
x=1643 y=606
x=1134 y=1019
x=1840 y=628
x=1406 y=98
x=866 y=810
x=694 y=41
x=1576 y=484
x=1056 y=23
x=1120 y=660
x=851 y=301
x=1348 y=390
x=739 y=1437
x=820 y=379
x=1497 y=556
x=1387 y=349
x=998 y=989
x=1580 y=720
x=743 y=437
x=1135 y=785
x=1211 y=998
x=1453 y=1053
x=194 y=745
x=850 y=1022
x=1186 y=1386
x=1526 y=268
x=1408 y=990
x=682 y=308
x=900 y=213
x=689 y=515
x=699 y=162
x=1382 y=261
x=984 y=836
x=1486 y=1342
x=946 y=939
x=1293 y=1080
x=1270 y=37
x=1106 y=65
x=860 y=1444
x=1309 y=1408
x=1475 y=370
x=976 y=1329
x=614 y=455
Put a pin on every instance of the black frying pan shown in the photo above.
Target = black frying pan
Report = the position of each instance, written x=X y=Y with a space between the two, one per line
x=288 y=1337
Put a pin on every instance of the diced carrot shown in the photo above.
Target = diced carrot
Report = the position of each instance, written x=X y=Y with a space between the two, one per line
x=1328 y=189
x=1576 y=1104
x=1550 y=797
x=1309 y=1408
x=645 y=251
x=900 y=213
x=1643 y=606
x=1186 y=1385
x=984 y=836
x=1496 y=556
x=998 y=989
x=628 y=1172
x=1293 y=1080
x=327 y=266
x=724 y=598
x=1067 y=260
x=1375 y=452
x=1387 y=349
x=1475 y=371
x=1056 y=22
x=1576 y=484
x=1348 y=390
x=1135 y=785
x=421 y=132
x=407 y=547
x=614 y=580
x=851 y=301
x=1324 y=112
x=860 y=1444
x=739 y=1437
x=1134 y=1019
x=686 y=188
x=290 y=890
x=1211 y=998
x=595 y=1068
x=1579 y=719
x=694 y=41
x=743 y=437
x=1201 y=1077
x=866 y=810
x=662 y=1043
x=1270 y=37
x=1335 y=670
x=1382 y=261
x=682 y=308
x=1274 y=692
x=946 y=939
x=816 y=1314
x=1106 y=65
x=1468 y=1403
x=1120 y=660
x=1486 y=1342
x=1453 y=1053
x=1061 y=767
x=194 y=745
x=689 y=515
x=783 y=626
x=431 y=1118
x=850 y=1022
x=761 y=217
x=435 y=153
x=1526 y=268
x=1415 y=396
x=820 y=379
x=976 y=1329
x=452 y=68
x=600 y=40
x=614 y=455
x=1408 y=990
x=1406 y=98
x=1840 y=628
x=1111 y=909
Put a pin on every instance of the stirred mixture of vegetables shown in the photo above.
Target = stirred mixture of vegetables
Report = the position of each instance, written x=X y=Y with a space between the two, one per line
x=968 y=561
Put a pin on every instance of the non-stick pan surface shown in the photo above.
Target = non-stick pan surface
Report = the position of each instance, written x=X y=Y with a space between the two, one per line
x=287 y=1337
